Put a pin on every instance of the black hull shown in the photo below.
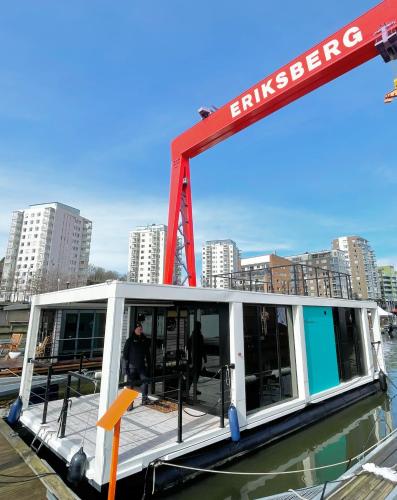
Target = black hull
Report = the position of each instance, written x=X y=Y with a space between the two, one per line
x=225 y=451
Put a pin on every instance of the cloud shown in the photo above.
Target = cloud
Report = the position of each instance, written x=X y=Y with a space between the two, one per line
x=255 y=226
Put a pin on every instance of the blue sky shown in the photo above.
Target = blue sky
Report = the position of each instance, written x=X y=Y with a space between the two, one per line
x=92 y=93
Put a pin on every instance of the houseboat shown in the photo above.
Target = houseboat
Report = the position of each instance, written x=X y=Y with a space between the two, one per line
x=281 y=362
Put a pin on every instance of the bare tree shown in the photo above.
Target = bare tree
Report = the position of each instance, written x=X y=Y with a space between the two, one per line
x=98 y=274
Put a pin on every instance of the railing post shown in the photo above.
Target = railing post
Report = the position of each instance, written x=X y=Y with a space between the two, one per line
x=316 y=274
x=222 y=416
x=79 y=379
x=179 y=440
x=64 y=411
x=329 y=284
x=295 y=278
x=47 y=395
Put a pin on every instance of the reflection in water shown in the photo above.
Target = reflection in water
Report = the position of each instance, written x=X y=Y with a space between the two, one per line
x=336 y=439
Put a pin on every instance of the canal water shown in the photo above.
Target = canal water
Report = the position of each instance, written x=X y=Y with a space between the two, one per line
x=336 y=439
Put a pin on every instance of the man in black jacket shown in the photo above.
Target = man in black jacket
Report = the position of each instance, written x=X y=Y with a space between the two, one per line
x=136 y=353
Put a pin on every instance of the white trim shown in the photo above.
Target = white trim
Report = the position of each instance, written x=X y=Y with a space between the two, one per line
x=366 y=341
x=300 y=353
x=277 y=410
x=341 y=388
x=378 y=337
x=237 y=357
x=30 y=351
x=109 y=384
x=141 y=291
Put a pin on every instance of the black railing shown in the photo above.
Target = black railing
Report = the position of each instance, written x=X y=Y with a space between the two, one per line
x=66 y=400
x=293 y=279
x=50 y=371
x=181 y=378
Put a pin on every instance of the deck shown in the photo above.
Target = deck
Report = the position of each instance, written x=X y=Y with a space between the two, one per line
x=146 y=433
x=19 y=465
x=367 y=485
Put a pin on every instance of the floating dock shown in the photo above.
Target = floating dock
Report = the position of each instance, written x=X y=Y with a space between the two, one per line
x=19 y=465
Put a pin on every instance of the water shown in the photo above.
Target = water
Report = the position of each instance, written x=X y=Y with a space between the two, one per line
x=333 y=440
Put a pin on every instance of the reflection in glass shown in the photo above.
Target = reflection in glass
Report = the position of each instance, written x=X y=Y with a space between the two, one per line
x=269 y=355
x=348 y=343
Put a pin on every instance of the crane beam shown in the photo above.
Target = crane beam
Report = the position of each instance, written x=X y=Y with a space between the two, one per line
x=341 y=52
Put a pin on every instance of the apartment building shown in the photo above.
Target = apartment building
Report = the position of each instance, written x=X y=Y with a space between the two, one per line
x=146 y=254
x=219 y=257
x=255 y=270
x=388 y=285
x=361 y=264
x=48 y=249
x=322 y=273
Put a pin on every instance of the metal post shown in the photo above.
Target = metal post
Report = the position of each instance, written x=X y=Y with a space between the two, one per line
x=47 y=395
x=340 y=286
x=305 y=292
x=79 y=379
x=316 y=274
x=271 y=280
x=64 y=411
x=295 y=290
x=329 y=284
x=179 y=440
x=222 y=416
x=250 y=277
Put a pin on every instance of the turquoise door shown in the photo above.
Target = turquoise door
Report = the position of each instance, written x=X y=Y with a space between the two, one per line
x=322 y=363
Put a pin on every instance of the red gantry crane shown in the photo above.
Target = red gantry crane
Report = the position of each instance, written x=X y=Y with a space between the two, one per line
x=371 y=34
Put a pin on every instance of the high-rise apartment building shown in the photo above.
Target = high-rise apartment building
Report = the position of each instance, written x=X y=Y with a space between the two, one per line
x=146 y=253
x=388 y=285
x=361 y=264
x=48 y=249
x=219 y=257
x=323 y=273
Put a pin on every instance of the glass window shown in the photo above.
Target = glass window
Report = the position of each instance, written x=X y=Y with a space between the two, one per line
x=269 y=355
x=348 y=343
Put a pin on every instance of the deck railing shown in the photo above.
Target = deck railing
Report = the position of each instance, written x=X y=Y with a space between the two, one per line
x=40 y=362
x=294 y=279
x=180 y=398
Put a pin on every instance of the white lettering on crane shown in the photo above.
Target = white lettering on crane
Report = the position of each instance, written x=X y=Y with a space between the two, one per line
x=330 y=50
x=351 y=41
x=313 y=60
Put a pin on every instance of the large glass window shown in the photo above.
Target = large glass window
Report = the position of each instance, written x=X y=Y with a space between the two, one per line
x=348 y=343
x=82 y=332
x=192 y=338
x=270 y=374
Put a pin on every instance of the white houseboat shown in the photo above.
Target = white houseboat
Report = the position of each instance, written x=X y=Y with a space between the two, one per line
x=283 y=361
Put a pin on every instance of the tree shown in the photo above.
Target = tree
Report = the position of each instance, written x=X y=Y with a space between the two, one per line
x=98 y=274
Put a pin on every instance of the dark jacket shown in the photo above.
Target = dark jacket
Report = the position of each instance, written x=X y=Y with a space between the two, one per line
x=137 y=351
x=196 y=349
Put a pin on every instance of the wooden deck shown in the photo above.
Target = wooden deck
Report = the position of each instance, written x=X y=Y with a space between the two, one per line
x=370 y=486
x=14 y=366
x=145 y=432
x=12 y=464
x=17 y=459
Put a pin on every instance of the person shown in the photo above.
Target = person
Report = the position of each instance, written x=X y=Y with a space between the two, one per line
x=390 y=330
x=197 y=355
x=137 y=357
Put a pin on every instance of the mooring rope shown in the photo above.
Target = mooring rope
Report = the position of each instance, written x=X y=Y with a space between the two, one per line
x=272 y=473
